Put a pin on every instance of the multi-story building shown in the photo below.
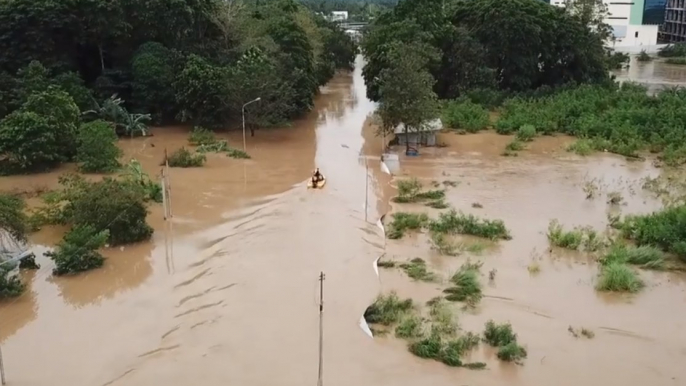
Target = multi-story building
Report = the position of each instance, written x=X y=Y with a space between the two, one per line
x=634 y=22
x=674 y=29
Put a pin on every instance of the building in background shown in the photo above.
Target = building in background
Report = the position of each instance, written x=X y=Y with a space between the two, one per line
x=674 y=28
x=339 y=16
x=634 y=23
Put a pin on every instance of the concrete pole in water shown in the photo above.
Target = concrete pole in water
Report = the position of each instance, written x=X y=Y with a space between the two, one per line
x=320 y=377
x=2 y=369
x=243 y=116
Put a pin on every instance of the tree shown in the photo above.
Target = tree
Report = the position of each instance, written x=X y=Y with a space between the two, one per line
x=28 y=142
x=114 y=205
x=406 y=90
x=12 y=217
x=202 y=89
x=97 y=148
x=72 y=84
x=78 y=250
x=256 y=75
x=592 y=14
x=61 y=113
x=153 y=68
x=10 y=285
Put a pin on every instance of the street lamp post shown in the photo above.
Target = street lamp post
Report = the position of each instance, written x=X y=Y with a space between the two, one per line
x=243 y=114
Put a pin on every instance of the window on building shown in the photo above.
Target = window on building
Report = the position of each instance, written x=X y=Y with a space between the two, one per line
x=654 y=12
x=636 y=34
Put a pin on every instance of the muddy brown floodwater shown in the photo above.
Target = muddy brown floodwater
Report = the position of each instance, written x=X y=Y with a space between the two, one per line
x=234 y=300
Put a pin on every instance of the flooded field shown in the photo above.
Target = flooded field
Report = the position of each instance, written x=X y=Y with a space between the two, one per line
x=655 y=75
x=233 y=301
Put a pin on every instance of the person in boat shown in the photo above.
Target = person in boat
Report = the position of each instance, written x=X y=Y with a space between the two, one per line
x=317 y=177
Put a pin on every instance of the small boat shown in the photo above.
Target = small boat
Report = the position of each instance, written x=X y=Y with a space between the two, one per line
x=319 y=185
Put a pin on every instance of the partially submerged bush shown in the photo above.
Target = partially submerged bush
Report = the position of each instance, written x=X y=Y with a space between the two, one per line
x=584 y=238
x=618 y=277
x=12 y=217
x=464 y=115
x=403 y=222
x=183 y=158
x=410 y=190
x=97 y=147
x=644 y=256
x=10 y=284
x=466 y=285
x=526 y=133
x=201 y=136
x=453 y=222
x=416 y=269
x=502 y=336
x=78 y=250
x=387 y=310
x=410 y=326
x=665 y=229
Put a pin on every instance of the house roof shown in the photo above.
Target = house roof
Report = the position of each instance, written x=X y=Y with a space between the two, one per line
x=429 y=126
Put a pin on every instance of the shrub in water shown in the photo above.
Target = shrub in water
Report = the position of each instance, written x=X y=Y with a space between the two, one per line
x=429 y=347
x=201 y=136
x=78 y=250
x=665 y=229
x=499 y=334
x=618 y=277
x=465 y=115
x=466 y=286
x=645 y=256
x=97 y=147
x=387 y=310
x=10 y=284
x=511 y=352
x=526 y=133
x=453 y=222
x=406 y=221
x=416 y=269
x=410 y=326
x=183 y=158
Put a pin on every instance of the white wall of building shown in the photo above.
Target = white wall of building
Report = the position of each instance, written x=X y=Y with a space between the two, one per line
x=638 y=35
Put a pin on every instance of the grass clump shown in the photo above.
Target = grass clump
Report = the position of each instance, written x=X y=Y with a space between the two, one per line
x=416 y=269
x=403 y=221
x=201 y=136
x=410 y=326
x=385 y=264
x=677 y=61
x=453 y=222
x=644 y=256
x=618 y=277
x=643 y=56
x=464 y=115
x=387 y=310
x=183 y=158
x=672 y=50
x=411 y=191
x=587 y=333
x=429 y=347
x=525 y=133
x=454 y=349
x=442 y=317
x=440 y=243
x=466 y=285
x=665 y=229
x=515 y=145
x=585 y=238
x=503 y=337
x=437 y=204
x=582 y=147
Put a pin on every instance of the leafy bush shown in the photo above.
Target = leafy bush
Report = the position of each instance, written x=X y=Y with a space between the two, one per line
x=10 y=284
x=410 y=326
x=139 y=180
x=673 y=50
x=618 y=277
x=526 y=133
x=97 y=150
x=665 y=229
x=466 y=286
x=12 y=217
x=410 y=191
x=28 y=142
x=112 y=205
x=429 y=347
x=387 y=310
x=584 y=238
x=643 y=56
x=511 y=352
x=465 y=115
x=201 y=136
x=515 y=145
x=403 y=222
x=183 y=158
x=499 y=334
x=619 y=119
x=453 y=222
x=78 y=250
x=644 y=256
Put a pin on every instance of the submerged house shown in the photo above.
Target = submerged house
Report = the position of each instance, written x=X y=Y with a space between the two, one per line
x=425 y=135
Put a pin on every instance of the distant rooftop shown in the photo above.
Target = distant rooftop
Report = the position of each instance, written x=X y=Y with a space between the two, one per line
x=429 y=126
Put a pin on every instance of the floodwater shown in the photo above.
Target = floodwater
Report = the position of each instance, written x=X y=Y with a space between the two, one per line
x=233 y=299
x=656 y=75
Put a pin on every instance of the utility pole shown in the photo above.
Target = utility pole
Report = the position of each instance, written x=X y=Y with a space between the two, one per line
x=320 y=380
x=2 y=369
x=366 y=188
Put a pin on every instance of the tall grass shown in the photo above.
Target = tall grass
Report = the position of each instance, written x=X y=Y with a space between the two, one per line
x=466 y=286
x=411 y=191
x=678 y=61
x=182 y=158
x=618 y=277
x=417 y=270
x=644 y=256
x=453 y=222
x=585 y=238
x=403 y=221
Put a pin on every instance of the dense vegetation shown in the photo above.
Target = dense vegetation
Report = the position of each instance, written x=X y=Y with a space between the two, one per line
x=130 y=64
